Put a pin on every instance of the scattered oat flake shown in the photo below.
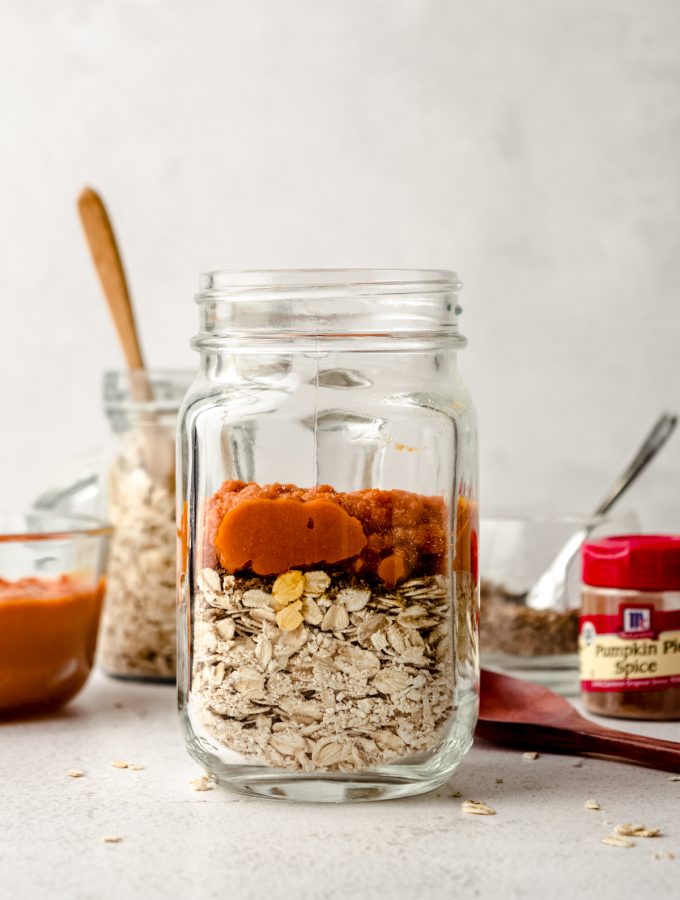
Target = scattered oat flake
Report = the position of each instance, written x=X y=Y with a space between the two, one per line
x=592 y=804
x=134 y=767
x=637 y=831
x=530 y=754
x=614 y=841
x=477 y=808
x=75 y=773
x=663 y=854
x=202 y=783
x=113 y=839
x=674 y=777
x=119 y=764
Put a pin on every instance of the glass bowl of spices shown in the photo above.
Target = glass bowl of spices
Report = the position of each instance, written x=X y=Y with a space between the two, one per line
x=51 y=590
x=525 y=638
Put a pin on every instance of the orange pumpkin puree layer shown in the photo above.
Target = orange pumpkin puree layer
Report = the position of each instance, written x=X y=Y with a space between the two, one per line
x=48 y=635
x=273 y=528
x=272 y=536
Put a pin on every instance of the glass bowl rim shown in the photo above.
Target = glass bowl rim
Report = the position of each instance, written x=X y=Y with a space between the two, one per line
x=66 y=526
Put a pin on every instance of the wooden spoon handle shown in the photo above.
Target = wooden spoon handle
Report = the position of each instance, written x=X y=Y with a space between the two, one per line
x=584 y=738
x=109 y=266
x=633 y=747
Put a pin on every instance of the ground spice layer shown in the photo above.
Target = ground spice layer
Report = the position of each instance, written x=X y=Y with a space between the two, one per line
x=322 y=671
x=508 y=626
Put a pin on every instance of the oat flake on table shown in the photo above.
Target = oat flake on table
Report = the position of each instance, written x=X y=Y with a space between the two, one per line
x=202 y=783
x=636 y=831
x=615 y=841
x=477 y=808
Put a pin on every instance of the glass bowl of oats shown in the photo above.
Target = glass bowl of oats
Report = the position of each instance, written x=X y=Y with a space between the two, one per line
x=132 y=484
x=328 y=590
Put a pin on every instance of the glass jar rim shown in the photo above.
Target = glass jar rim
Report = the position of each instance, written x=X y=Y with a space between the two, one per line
x=337 y=304
x=255 y=282
x=145 y=390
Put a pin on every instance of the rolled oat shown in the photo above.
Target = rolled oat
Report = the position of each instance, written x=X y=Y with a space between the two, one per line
x=139 y=617
x=477 y=808
x=614 y=841
x=369 y=681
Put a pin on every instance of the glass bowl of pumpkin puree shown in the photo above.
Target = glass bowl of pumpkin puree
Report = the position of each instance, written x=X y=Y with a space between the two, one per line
x=51 y=590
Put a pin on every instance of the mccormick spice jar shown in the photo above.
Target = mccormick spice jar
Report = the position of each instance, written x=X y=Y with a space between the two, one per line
x=629 y=640
x=328 y=521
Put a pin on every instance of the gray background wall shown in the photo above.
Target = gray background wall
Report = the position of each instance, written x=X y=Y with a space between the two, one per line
x=533 y=146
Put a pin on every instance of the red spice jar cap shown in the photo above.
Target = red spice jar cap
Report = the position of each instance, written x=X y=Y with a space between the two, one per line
x=637 y=562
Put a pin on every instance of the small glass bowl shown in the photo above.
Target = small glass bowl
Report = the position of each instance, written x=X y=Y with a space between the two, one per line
x=51 y=589
x=540 y=644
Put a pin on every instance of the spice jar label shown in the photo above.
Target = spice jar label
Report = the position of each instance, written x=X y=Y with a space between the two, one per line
x=636 y=649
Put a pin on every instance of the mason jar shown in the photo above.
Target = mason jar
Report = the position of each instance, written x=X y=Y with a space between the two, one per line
x=138 y=633
x=327 y=512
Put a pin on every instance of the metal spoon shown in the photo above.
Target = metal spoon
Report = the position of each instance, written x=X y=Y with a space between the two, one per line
x=549 y=592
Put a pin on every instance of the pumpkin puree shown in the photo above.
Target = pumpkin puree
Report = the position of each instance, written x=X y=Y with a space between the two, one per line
x=48 y=635
x=273 y=528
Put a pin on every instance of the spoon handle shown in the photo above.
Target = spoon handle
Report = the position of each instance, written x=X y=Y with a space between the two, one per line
x=633 y=747
x=109 y=266
x=584 y=737
x=654 y=441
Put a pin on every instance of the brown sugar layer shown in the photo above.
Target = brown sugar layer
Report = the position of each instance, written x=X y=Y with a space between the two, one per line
x=272 y=528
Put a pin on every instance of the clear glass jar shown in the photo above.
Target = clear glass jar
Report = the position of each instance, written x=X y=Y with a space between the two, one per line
x=138 y=638
x=328 y=513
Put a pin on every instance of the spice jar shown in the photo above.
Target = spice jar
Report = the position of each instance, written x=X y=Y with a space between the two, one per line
x=328 y=521
x=629 y=640
x=138 y=637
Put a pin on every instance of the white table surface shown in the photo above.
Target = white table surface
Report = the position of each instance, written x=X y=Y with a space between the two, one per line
x=179 y=843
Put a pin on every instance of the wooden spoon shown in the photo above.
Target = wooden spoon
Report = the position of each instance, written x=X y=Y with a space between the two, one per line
x=109 y=265
x=158 y=448
x=523 y=714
